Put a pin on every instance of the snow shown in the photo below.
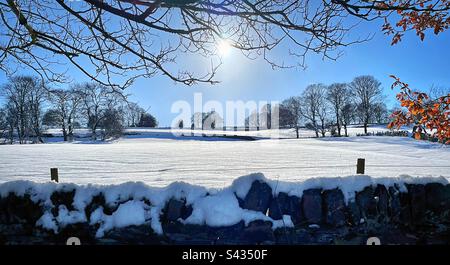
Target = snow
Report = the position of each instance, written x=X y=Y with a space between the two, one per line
x=221 y=209
x=285 y=222
x=352 y=130
x=66 y=217
x=47 y=221
x=130 y=213
x=211 y=206
x=216 y=163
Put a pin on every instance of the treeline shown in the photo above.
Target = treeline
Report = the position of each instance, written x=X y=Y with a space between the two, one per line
x=332 y=108
x=29 y=106
x=328 y=108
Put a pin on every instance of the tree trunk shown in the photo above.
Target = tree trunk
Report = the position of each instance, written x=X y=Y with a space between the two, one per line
x=19 y=134
x=366 y=122
x=94 y=134
x=69 y=123
x=11 y=134
x=315 y=127
x=37 y=129
x=323 y=128
x=338 y=125
x=296 y=131
x=64 y=131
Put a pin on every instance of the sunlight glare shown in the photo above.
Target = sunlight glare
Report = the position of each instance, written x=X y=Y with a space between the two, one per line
x=224 y=48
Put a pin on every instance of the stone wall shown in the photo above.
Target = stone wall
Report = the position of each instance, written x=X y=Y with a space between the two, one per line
x=420 y=215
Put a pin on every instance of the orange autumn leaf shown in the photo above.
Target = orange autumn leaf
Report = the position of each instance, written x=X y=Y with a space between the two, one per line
x=417 y=136
x=423 y=112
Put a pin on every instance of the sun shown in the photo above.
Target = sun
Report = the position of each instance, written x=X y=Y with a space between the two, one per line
x=224 y=48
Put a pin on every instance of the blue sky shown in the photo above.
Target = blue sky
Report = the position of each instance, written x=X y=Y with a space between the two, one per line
x=421 y=64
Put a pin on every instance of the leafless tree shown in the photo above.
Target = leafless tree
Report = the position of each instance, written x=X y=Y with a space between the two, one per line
x=314 y=107
x=11 y=119
x=67 y=105
x=347 y=115
x=252 y=121
x=24 y=96
x=338 y=94
x=265 y=116
x=97 y=102
x=111 y=124
x=380 y=112
x=3 y=124
x=36 y=100
x=197 y=120
x=367 y=91
x=293 y=114
x=212 y=120
x=133 y=113
x=438 y=91
x=16 y=93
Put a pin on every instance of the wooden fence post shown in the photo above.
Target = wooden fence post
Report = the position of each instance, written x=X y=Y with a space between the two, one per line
x=360 y=166
x=54 y=174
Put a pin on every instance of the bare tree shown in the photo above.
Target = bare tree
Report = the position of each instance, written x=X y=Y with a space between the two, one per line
x=380 y=113
x=252 y=121
x=314 y=107
x=347 y=115
x=97 y=103
x=133 y=113
x=293 y=114
x=25 y=96
x=16 y=93
x=111 y=124
x=3 y=124
x=11 y=119
x=212 y=120
x=438 y=91
x=338 y=95
x=67 y=104
x=36 y=99
x=197 y=120
x=367 y=91
x=265 y=116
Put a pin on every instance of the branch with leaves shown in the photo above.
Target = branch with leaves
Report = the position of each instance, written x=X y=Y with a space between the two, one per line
x=429 y=115
x=401 y=16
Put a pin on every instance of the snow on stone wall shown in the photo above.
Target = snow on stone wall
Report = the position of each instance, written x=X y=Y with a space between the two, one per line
x=252 y=210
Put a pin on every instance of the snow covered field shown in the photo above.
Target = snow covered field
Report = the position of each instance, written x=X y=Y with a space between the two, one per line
x=158 y=159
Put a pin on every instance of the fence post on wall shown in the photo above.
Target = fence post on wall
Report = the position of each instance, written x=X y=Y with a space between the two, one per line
x=54 y=174
x=360 y=166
